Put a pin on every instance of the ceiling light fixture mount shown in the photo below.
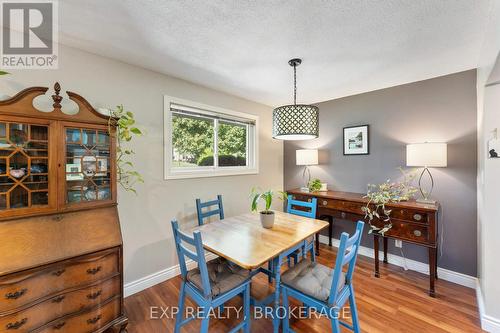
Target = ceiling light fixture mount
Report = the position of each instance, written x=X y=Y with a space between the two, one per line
x=295 y=121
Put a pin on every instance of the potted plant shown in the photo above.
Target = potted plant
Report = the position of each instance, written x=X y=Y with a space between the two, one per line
x=266 y=215
x=315 y=185
x=386 y=193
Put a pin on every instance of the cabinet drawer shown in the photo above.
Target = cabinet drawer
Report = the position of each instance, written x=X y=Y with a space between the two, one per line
x=20 y=289
x=86 y=322
x=345 y=206
x=61 y=305
x=409 y=215
x=406 y=231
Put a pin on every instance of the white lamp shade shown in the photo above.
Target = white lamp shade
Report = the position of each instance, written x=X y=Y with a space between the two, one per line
x=306 y=156
x=428 y=154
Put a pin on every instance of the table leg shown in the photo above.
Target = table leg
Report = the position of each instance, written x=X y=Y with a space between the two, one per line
x=317 y=243
x=375 y=249
x=330 y=230
x=432 y=270
x=385 y=250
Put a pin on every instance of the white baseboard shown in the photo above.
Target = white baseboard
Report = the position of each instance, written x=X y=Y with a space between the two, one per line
x=443 y=273
x=159 y=277
x=488 y=323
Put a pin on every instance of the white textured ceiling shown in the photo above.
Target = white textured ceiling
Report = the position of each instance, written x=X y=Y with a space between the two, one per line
x=242 y=47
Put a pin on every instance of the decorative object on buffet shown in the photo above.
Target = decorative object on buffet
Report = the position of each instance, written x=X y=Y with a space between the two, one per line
x=266 y=215
x=306 y=157
x=295 y=121
x=356 y=140
x=315 y=185
x=426 y=155
x=385 y=193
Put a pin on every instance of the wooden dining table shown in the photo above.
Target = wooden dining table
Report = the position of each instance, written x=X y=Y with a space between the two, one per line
x=242 y=240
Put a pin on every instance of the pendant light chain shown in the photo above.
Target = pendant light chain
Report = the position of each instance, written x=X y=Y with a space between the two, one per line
x=294 y=84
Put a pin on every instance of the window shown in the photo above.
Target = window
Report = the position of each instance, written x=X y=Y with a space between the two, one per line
x=205 y=141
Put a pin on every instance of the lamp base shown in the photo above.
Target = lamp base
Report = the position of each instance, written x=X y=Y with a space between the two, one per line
x=426 y=201
x=304 y=189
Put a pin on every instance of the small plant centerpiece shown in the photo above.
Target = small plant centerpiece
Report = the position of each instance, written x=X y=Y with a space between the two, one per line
x=315 y=185
x=382 y=194
x=266 y=215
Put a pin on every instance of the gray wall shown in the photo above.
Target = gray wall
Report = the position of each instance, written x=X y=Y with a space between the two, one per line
x=442 y=109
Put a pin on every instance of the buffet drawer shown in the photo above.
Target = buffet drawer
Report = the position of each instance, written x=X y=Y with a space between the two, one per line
x=89 y=321
x=61 y=305
x=21 y=289
x=406 y=231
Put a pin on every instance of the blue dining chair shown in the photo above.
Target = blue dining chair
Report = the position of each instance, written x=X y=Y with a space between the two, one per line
x=211 y=284
x=322 y=288
x=203 y=215
x=305 y=246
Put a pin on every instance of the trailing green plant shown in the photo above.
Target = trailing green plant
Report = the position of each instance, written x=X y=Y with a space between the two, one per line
x=4 y=73
x=314 y=185
x=126 y=130
x=382 y=194
x=267 y=197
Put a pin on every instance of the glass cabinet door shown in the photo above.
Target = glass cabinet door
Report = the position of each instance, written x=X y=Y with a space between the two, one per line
x=24 y=165
x=88 y=169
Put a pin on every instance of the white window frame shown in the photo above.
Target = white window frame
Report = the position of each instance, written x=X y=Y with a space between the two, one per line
x=171 y=172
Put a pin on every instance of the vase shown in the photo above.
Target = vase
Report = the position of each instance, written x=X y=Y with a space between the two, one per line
x=267 y=219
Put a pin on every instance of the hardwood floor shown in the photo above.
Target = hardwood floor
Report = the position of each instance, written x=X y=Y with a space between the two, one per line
x=395 y=302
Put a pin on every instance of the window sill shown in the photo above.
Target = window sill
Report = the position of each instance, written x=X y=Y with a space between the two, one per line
x=209 y=173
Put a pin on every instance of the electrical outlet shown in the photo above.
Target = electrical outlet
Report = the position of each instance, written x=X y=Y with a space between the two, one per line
x=398 y=243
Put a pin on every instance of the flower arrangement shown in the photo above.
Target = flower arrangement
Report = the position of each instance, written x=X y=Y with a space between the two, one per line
x=382 y=194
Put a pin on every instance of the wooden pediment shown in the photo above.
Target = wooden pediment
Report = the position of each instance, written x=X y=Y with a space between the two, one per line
x=22 y=105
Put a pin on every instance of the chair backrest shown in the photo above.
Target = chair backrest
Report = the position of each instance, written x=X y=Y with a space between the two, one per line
x=198 y=255
x=312 y=206
x=346 y=255
x=203 y=215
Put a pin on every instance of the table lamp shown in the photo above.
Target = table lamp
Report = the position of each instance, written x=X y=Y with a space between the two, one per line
x=306 y=157
x=426 y=155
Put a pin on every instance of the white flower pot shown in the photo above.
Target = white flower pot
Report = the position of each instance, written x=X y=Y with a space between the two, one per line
x=267 y=219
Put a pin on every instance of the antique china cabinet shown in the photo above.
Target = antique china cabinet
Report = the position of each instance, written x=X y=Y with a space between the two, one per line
x=60 y=243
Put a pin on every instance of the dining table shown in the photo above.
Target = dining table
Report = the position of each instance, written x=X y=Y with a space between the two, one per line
x=242 y=240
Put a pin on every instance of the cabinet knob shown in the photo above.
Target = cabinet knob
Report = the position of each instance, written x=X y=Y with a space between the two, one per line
x=325 y=202
x=417 y=233
x=417 y=217
x=60 y=325
x=94 y=271
x=16 y=294
x=17 y=324
x=343 y=215
x=93 y=320
x=309 y=200
x=94 y=295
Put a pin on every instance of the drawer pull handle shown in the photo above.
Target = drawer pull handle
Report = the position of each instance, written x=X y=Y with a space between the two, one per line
x=93 y=320
x=16 y=295
x=309 y=200
x=59 y=272
x=58 y=299
x=17 y=324
x=60 y=325
x=417 y=217
x=94 y=271
x=325 y=202
x=343 y=215
x=94 y=295
x=417 y=233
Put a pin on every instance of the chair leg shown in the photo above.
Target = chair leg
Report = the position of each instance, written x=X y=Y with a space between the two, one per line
x=335 y=325
x=354 y=311
x=286 y=319
x=205 y=321
x=289 y=261
x=180 y=315
x=246 y=307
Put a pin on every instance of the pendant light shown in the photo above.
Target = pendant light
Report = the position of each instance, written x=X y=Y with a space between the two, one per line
x=296 y=121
